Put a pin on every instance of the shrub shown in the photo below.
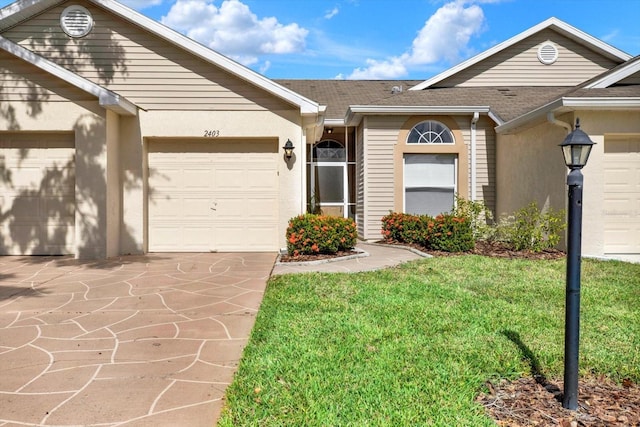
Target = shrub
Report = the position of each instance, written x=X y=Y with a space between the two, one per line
x=320 y=234
x=451 y=234
x=480 y=217
x=445 y=232
x=532 y=229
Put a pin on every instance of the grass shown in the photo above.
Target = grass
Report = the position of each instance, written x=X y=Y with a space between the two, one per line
x=414 y=345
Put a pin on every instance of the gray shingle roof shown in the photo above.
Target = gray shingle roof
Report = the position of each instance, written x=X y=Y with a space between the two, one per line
x=505 y=102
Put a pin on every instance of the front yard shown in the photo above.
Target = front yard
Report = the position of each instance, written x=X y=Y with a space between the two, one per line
x=415 y=345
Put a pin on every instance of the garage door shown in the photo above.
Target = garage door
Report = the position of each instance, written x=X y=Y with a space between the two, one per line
x=622 y=196
x=213 y=195
x=37 y=194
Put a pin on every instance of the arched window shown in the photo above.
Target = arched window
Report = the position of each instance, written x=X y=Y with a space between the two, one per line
x=430 y=132
x=329 y=150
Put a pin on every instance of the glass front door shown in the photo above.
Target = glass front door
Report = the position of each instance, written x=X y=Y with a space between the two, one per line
x=328 y=188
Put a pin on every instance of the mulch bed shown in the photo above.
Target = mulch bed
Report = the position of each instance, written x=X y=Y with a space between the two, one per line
x=316 y=257
x=527 y=402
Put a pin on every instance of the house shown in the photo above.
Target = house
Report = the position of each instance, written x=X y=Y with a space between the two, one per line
x=119 y=135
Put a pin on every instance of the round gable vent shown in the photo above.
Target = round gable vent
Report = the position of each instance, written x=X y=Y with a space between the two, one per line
x=76 y=21
x=548 y=53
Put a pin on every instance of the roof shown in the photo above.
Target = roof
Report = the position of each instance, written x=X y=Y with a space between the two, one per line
x=338 y=95
x=107 y=99
x=551 y=23
x=347 y=97
x=613 y=98
x=614 y=75
x=22 y=10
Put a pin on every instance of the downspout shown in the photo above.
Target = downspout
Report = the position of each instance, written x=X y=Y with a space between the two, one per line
x=474 y=121
x=551 y=118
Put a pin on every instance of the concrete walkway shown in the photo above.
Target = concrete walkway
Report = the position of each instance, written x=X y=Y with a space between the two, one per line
x=374 y=257
x=135 y=341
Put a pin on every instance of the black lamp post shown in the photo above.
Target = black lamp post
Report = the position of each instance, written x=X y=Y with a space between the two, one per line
x=576 y=148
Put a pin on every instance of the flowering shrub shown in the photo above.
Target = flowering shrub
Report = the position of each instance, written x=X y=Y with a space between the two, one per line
x=445 y=232
x=320 y=234
x=451 y=234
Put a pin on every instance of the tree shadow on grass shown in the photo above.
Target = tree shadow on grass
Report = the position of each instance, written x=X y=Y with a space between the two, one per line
x=536 y=370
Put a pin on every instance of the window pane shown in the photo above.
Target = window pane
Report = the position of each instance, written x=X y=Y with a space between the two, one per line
x=429 y=170
x=428 y=201
x=329 y=186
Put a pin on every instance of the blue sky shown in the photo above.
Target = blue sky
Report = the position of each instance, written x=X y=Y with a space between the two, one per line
x=377 y=39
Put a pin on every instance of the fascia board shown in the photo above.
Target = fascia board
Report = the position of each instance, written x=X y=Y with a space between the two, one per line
x=105 y=97
x=602 y=103
x=555 y=23
x=355 y=112
x=615 y=76
x=306 y=105
x=573 y=103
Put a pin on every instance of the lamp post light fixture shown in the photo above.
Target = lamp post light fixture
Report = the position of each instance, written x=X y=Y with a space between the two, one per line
x=575 y=148
x=288 y=149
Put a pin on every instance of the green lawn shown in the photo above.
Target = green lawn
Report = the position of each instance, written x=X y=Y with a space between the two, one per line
x=413 y=345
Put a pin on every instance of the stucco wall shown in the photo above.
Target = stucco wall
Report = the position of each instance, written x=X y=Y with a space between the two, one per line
x=530 y=168
x=599 y=124
x=282 y=125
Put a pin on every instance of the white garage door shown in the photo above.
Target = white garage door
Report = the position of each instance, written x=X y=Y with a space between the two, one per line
x=213 y=195
x=622 y=196
x=37 y=194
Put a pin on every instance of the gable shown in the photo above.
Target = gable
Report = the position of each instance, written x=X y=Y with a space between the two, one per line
x=139 y=65
x=518 y=65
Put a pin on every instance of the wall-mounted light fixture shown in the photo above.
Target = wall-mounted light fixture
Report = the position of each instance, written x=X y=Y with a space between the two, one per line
x=329 y=131
x=288 y=149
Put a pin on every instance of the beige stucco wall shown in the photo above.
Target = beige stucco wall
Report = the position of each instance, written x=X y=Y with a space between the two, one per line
x=531 y=168
x=88 y=121
x=599 y=124
x=281 y=125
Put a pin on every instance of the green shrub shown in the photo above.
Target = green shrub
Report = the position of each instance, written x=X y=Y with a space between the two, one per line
x=320 y=234
x=451 y=234
x=445 y=232
x=532 y=229
x=480 y=217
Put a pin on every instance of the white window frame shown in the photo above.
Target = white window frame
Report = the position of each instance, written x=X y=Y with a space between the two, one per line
x=455 y=177
x=431 y=141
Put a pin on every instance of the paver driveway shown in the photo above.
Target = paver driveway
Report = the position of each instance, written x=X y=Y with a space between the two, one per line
x=139 y=341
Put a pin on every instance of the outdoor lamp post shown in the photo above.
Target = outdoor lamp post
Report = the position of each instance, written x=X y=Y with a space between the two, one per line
x=575 y=148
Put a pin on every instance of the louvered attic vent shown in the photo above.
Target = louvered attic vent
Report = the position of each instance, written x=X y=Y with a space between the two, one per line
x=76 y=21
x=548 y=53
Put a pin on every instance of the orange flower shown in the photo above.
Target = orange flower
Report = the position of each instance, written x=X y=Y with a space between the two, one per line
x=315 y=248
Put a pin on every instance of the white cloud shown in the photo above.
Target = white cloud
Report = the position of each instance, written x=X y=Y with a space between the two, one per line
x=388 y=69
x=444 y=37
x=331 y=13
x=232 y=29
x=141 y=4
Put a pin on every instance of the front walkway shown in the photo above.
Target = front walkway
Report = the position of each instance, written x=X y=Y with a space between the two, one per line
x=375 y=257
x=137 y=341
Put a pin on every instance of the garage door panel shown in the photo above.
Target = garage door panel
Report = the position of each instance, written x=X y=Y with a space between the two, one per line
x=226 y=190
x=38 y=193
x=622 y=195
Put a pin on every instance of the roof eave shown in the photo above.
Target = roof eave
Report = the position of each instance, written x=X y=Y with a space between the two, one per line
x=107 y=98
x=570 y=103
x=356 y=112
x=615 y=76
x=307 y=106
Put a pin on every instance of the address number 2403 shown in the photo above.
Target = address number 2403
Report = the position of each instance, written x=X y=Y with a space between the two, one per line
x=211 y=133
